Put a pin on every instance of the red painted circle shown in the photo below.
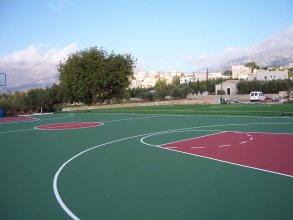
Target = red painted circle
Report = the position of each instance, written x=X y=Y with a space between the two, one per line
x=70 y=125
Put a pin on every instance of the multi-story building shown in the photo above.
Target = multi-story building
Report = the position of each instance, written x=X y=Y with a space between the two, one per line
x=269 y=75
x=241 y=72
x=148 y=81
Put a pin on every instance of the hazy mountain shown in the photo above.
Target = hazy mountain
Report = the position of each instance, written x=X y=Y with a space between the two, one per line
x=274 y=57
x=24 y=87
x=274 y=51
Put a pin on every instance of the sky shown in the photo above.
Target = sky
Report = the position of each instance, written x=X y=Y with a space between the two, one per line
x=163 y=35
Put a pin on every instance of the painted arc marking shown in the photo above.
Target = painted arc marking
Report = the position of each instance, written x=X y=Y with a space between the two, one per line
x=70 y=125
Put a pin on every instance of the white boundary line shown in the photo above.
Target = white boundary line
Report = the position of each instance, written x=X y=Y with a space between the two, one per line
x=49 y=119
x=128 y=119
x=186 y=115
x=55 y=180
x=15 y=131
x=98 y=124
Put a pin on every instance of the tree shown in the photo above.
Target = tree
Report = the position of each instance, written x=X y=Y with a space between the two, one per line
x=268 y=87
x=290 y=73
x=176 y=80
x=93 y=75
x=227 y=73
x=243 y=87
x=252 y=66
x=163 y=90
x=160 y=83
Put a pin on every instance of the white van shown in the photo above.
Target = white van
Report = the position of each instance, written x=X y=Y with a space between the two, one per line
x=257 y=96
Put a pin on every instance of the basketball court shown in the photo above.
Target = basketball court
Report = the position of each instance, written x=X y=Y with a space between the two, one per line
x=146 y=166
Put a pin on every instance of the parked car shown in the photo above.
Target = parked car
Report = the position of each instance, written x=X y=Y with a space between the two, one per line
x=256 y=96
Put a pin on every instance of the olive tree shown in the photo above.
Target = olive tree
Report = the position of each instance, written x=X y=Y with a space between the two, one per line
x=93 y=75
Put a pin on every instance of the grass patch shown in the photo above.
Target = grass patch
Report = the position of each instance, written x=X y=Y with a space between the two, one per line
x=203 y=109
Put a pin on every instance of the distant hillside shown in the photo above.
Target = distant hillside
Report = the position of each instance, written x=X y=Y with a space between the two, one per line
x=277 y=57
x=24 y=87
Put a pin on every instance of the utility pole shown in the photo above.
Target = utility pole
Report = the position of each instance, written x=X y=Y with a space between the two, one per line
x=207 y=78
x=289 y=87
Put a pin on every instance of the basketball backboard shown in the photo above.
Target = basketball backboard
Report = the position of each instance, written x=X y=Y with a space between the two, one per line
x=2 y=79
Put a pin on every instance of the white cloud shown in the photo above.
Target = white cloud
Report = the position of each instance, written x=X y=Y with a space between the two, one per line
x=34 y=64
x=280 y=44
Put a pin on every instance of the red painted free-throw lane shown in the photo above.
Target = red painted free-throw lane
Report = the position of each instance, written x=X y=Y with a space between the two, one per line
x=271 y=152
x=70 y=125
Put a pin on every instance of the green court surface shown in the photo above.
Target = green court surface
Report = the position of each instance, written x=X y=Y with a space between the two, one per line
x=108 y=172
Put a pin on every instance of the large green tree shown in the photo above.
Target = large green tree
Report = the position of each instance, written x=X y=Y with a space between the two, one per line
x=93 y=75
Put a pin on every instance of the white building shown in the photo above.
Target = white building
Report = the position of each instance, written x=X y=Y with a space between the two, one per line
x=269 y=75
x=148 y=81
x=241 y=72
x=165 y=76
x=135 y=84
x=139 y=75
x=194 y=77
x=229 y=87
x=188 y=79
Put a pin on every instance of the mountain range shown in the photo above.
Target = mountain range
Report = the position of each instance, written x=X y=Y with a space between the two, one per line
x=24 y=87
x=269 y=58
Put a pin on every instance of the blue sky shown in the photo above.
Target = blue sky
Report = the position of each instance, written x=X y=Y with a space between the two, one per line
x=162 y=34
